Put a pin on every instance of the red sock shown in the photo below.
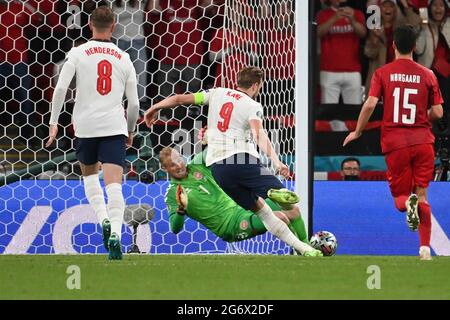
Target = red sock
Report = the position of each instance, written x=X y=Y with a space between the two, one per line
x=400 y=203
x=425 y=224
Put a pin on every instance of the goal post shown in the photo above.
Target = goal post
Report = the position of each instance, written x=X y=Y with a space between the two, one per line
x=304 y=121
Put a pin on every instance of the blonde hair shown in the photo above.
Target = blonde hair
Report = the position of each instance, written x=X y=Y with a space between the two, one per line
x=165 y=153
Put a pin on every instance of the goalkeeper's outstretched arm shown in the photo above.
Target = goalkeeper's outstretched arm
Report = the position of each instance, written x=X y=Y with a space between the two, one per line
x=175 y=209
x=176 y=221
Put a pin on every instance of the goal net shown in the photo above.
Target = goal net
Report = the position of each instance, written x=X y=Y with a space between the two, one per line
x=177 y=47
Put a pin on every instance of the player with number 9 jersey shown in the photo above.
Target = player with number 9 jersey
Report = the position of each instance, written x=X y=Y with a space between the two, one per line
x=229 y=132
x=235 y=125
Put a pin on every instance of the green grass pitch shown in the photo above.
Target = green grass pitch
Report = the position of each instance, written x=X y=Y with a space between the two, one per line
x=223 y=277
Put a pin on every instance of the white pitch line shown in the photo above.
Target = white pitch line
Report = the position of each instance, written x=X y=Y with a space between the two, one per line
x=439 y=240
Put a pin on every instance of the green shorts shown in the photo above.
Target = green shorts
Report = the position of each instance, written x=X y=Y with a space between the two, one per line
x=247 y=224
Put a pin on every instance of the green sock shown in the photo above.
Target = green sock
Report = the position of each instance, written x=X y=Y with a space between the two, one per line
x=300 y=229
x=293 y=230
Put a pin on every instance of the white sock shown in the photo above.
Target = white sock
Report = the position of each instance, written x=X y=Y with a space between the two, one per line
x=95 y=196
x=116 y=207
x=280 y=230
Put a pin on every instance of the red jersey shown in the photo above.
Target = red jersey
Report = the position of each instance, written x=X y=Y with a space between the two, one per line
x=235 y=61
x=14 y=17
x=408 y=90
x=51 y=14
x=181 y=33
x=340 y=47
x=279 y=57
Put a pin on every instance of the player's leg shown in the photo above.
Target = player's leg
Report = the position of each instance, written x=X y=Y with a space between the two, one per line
x=239 y=181
x=112 y=155
x=400 y=178
x=295 y=220
x=297 y=223
x=283 y=199
x=270 y=187
x=116 y=206
x=425 y=224
x=86 y=150
x=279 y=229
x=248 y=225
x=423 y=163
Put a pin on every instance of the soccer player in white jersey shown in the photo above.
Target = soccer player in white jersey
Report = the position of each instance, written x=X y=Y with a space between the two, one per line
x=234 y=123
x=103 y=73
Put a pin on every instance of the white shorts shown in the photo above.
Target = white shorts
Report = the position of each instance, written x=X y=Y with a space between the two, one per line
x=332 y=84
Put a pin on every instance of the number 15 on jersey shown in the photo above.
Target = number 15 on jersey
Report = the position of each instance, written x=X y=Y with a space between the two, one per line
x=411 y=119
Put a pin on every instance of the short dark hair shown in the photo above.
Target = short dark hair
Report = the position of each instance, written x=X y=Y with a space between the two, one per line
x=348 y=160
x=248 y=76
x=405 y=37
x=102 y=18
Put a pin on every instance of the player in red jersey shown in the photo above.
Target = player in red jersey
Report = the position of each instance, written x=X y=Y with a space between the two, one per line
x=411 y=99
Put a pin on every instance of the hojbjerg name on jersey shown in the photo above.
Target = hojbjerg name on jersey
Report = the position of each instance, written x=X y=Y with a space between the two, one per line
x=401 y=77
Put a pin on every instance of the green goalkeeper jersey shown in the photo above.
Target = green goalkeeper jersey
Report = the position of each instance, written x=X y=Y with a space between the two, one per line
x=207 y=202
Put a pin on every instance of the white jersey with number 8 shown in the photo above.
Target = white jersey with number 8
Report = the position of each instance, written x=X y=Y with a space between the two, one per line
x=103 y=74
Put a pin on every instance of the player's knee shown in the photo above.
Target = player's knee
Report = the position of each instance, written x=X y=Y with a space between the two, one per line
x=282 y=216
x=294 y=213
x=400 y=203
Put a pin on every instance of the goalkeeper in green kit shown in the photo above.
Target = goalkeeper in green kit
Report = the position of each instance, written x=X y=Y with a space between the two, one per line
x=194 y=192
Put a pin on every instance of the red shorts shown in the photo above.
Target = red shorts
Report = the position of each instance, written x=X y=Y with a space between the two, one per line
x=410 y=167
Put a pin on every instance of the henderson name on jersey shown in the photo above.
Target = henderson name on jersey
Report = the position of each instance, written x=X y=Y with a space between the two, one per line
x=103 y=73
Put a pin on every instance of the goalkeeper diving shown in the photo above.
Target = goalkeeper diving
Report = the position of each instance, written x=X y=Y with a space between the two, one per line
x=193 y=192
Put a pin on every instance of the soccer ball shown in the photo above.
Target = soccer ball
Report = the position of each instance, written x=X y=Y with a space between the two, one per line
x=324 y=241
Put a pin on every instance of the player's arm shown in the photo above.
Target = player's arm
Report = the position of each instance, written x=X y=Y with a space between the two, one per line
x=265 y=145
x=59 y=96
x=176 y=214
x=364 y=116
x=435 y=99
x=435 y=112
x=133 y=104
x=168 y=103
